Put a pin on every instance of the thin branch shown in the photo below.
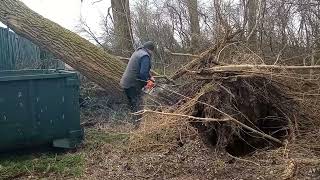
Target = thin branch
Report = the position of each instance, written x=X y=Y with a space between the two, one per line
x=244 y=160
x=181 y=115
x=280 y=53
x=181 y=54
x=97 y=2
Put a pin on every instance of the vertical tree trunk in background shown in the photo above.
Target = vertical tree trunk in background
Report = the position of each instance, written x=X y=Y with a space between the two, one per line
x=194 y=24
x=317 y=27
x=262 y=26
x=122 y=27
x=218 y=19
x=88 y=59
x=244 y=5
x=252 y=20
x=283 y=24
x=222 y=26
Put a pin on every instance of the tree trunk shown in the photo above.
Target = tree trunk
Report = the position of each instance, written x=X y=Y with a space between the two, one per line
x=222 y=25
x=194 y=24
x=122 y=27
x=88 y=59
x=251 y=68
x=252 y=20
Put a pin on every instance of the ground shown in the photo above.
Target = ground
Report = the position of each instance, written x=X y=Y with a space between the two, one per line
x=105 y=154
x=108 y=153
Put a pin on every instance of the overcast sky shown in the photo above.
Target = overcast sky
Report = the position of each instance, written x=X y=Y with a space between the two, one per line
x=67 y=12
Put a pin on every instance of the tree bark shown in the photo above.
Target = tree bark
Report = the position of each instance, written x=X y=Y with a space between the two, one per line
x=88 y=59
x=252 y=20
x=122 y=27
x=194 y=24
x=252 y=68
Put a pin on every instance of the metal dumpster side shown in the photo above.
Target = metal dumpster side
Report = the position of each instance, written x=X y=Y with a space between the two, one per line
x=39 y=107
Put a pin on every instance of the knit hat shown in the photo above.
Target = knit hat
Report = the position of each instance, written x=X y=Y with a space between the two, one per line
x=149 y=45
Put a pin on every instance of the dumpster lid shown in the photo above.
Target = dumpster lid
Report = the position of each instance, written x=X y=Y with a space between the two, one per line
x=14 y=75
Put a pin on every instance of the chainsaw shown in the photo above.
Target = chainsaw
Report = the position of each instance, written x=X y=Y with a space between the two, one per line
x=149 y=88
x=153 y=88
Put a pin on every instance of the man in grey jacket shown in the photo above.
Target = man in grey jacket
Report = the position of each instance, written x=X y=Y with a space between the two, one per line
x=137 y=75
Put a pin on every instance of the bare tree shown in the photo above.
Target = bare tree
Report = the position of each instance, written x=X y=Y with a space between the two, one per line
x=194 y=23
x=122 y=27
x=275 y=30
x=84 y=28
x=252 y=23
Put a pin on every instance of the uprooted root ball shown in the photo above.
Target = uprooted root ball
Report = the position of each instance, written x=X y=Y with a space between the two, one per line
x=255 y=101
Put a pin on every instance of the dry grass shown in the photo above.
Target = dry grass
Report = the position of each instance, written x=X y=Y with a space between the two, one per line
x=112 y=158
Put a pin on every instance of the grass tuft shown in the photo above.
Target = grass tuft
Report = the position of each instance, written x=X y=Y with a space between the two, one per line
x=42 y=165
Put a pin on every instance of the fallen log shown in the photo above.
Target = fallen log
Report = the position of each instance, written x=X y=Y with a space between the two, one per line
x=91 y=61
x=249 y=67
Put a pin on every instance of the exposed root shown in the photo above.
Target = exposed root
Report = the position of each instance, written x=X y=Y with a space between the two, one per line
x=236 y=110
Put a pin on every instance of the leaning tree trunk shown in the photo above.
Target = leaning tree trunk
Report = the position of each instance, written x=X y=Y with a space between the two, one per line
x=88 y=59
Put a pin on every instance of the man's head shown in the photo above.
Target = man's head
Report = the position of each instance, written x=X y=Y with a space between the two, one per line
x=149 y=46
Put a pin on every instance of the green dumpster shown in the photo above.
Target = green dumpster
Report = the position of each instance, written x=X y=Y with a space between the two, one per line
x=39 y=107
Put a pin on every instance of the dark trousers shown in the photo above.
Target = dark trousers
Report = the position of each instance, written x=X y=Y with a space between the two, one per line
x=134 y=96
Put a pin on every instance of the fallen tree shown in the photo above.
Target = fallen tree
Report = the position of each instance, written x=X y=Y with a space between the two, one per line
x=91 y=61
x=237 y=108
x=250 y=67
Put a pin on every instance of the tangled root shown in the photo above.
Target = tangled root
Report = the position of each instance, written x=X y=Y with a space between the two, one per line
x=255 y=101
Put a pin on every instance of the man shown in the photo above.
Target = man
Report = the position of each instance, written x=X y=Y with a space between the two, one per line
x=137 y=75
